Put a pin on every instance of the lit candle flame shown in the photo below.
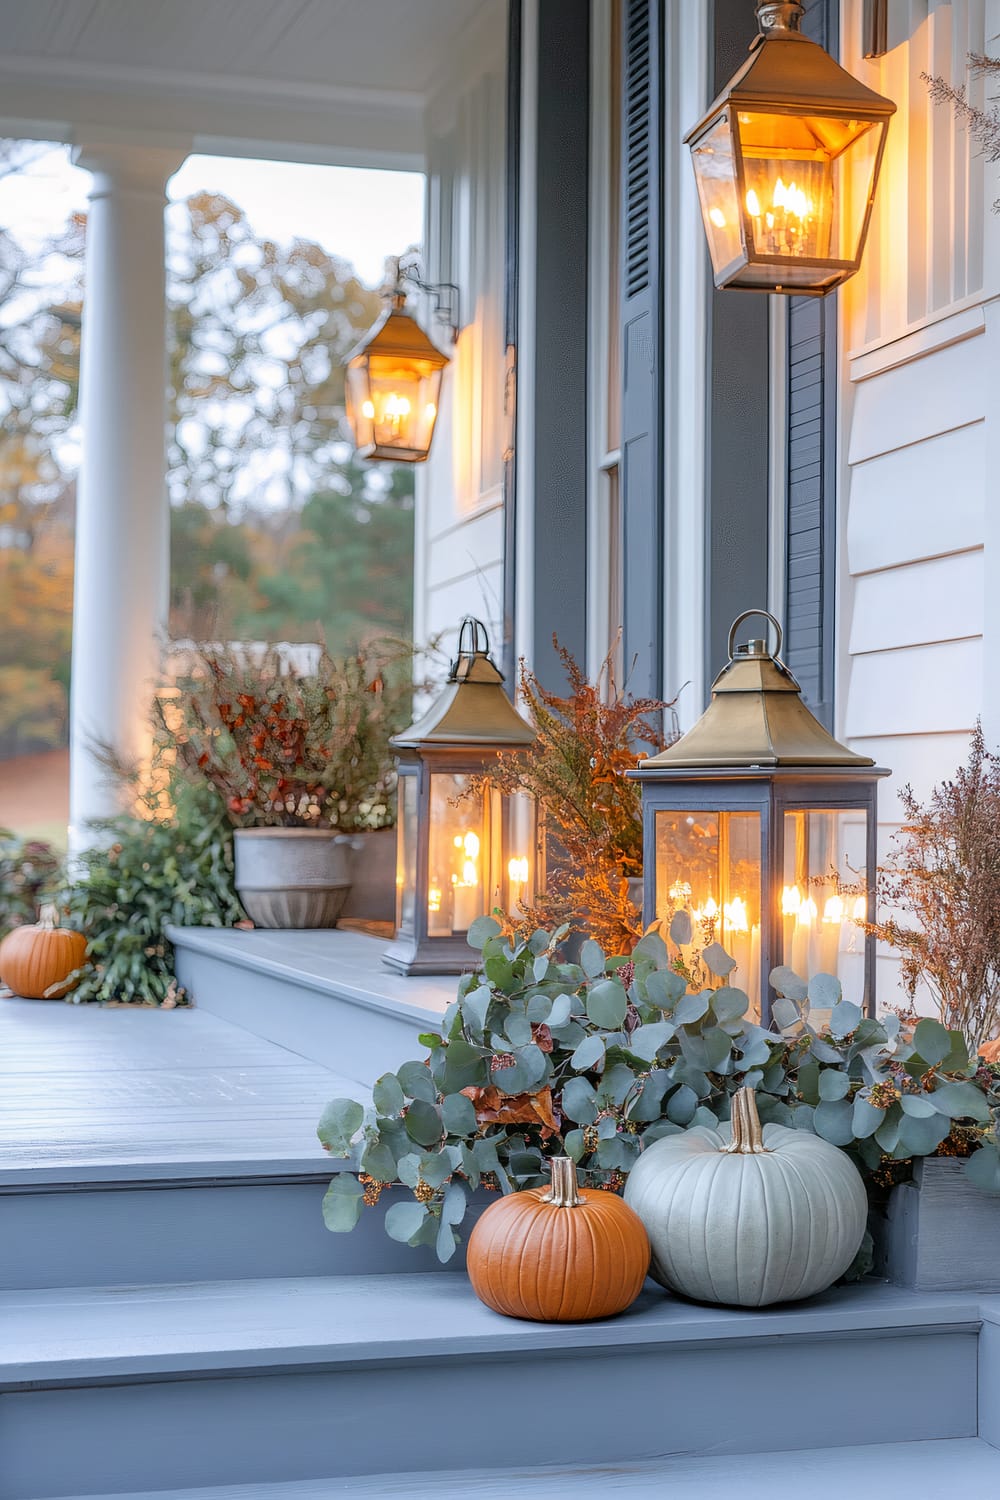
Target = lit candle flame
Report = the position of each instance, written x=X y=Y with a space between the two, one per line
x=860 y=912
x=735 y=914
x=833 y=911
x=517 y=869
x=791 y=900
x=434 y=898
x=807 y=912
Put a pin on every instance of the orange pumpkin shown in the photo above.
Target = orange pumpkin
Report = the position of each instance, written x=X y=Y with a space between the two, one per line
x=990 y=1051
x=36 y=961
x=559 y=1255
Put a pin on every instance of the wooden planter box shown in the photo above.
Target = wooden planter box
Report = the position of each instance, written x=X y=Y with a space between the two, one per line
x=940 y=1232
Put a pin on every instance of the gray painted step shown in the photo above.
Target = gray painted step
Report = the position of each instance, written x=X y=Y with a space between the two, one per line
x=325 y=995
x=917 y=1470
x=153 y=1145
x=284 y=1380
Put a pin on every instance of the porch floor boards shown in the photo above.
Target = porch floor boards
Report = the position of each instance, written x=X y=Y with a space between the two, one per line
x=96 y=1094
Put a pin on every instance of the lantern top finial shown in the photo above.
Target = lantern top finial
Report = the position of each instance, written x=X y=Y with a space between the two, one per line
x=473 y=710
x=774 y=16
x=756 y=719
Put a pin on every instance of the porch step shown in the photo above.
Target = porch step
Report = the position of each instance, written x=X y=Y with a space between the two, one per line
x=284 y=1380
x=325 y=995
x=138 y=1145
x=918 y=1470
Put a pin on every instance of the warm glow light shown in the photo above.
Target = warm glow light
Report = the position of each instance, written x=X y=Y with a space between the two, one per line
x=434 y=898
x=807 y=912
x=718 y=218
x=368 y=409
x=470 y=875
x=860 y=912
x=430 y=411
x=471 y=845
x=753 y=204
x=735 y=914
x=517 y=869
x=791 y=900
x=833 y=911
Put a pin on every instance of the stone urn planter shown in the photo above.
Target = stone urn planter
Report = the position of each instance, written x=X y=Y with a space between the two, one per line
x=940 y=1232
x=293 y=877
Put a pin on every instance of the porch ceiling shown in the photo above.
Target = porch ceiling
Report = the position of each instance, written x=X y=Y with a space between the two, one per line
x=330 y=80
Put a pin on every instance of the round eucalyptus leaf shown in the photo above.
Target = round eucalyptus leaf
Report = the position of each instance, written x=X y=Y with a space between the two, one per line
x=932 y=1041
x=692 y=1007
x=607 y=1004
x=416 y=1081
x=339 y=1124
x=919 y=1137
x=785 y=1014
x=680 y=928
x=562 y=1006
x=729 y=1004
x=718 y=1049
x=481 y=930
x=647 y=1040
x=592 y=958
x=717 y=960
x=423 y=1123
x=917 y=1105
x=824 y=991
x=844 y=1017
x=866 y=1119
x=579 y=1101
x=404 y=1220
x=379 y=1162
x=961 y=1101
x=786 y=982
x=387 y=1096
x=833 y=1120
x=834 y=1084
x=664 y=988
x=589 y=1054
x=342 y=1203
x=681 y=1105
x=983 y=1169
x=459 y=1114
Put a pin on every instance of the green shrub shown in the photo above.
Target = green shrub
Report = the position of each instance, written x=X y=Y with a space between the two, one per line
x=29 y=870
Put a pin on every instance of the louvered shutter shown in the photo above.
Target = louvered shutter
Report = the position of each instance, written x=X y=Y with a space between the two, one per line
x=642 y=342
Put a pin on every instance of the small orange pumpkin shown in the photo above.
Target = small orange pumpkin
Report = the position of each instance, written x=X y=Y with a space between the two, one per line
x=990 y=1051
x=36 y=961
x=558 y=1255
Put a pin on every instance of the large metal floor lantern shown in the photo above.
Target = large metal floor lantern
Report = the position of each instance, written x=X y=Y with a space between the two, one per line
x=762 y=827
x=787 y=160
x=461 y=850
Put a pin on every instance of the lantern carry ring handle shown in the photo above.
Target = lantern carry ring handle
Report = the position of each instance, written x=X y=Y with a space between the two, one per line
x=746 y=615
x=477 y=630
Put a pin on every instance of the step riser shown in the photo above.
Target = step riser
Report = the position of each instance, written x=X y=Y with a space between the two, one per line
x=358 y=1040
x=623 y=1404
x=182 y=1234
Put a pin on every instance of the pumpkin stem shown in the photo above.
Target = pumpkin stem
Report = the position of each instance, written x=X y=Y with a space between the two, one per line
x=48 y=918
x=563 y=1192
x=748 y=1136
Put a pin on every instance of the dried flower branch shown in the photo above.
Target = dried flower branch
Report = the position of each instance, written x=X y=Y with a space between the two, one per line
x=946 y=873
x=575 y=771
x=982 y=122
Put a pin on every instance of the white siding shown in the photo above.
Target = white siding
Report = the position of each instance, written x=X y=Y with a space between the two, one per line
x=459 y=525
x=920 y=551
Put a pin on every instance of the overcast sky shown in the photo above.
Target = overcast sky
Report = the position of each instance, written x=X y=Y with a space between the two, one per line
x=360 y=215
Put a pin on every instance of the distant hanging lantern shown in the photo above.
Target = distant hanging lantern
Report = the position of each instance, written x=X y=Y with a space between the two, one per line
x=393 y=384
x=760 y=828
x=462 y=849
x=786 y=161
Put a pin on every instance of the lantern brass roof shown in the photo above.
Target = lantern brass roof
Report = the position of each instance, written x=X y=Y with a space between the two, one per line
x=473 y=709
x=789 y=72
x=756 y=720
x=398 y=336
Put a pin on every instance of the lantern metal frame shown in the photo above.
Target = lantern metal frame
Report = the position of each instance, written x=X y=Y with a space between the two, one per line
x=467 y=725
x=787 y=75
x=757 y=749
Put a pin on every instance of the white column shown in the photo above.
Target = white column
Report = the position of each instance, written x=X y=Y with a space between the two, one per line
x=122 y=519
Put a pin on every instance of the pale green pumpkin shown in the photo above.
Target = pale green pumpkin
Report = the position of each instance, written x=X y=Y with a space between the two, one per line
x=747 y=1216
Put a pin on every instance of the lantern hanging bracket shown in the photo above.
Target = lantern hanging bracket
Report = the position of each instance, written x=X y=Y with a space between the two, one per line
x=445 y=295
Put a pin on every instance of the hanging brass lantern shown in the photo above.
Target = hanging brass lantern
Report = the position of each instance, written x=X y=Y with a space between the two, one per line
x=393 y=387
x=786 y=161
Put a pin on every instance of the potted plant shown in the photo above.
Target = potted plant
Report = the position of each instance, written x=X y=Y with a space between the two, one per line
x=591 y=814
x=302 y=761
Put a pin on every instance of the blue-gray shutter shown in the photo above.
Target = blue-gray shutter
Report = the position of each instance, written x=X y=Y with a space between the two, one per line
x=641 y=475
x=811 y=538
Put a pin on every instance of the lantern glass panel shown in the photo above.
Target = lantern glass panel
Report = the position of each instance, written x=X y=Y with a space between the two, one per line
x=823 y=895
x=406 y=853
x=459 y=854
x=519 y=876
x=715 y=174
x=807 y=180
x=393 y=402
x=709 y=865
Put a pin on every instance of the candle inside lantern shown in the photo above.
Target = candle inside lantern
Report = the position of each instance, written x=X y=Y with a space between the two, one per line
x=784 y=224
x=802 y=936
x=517 y=873
x=465 y=888
x=830 y=933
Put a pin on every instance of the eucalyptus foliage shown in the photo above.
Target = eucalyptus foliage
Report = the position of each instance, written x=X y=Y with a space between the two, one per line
x=597 y=1059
